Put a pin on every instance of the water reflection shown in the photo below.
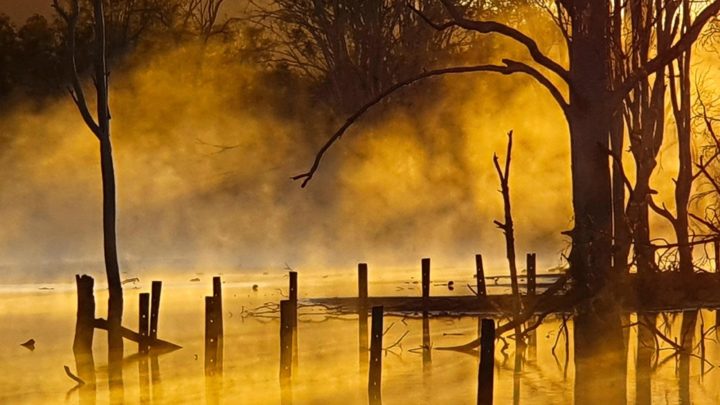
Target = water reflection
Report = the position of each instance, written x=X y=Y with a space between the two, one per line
x=605 y=360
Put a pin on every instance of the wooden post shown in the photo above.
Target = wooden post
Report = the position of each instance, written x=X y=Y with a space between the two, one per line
x=144 y=323
x=480 y=275
x=363 y=283
x=531 y=275
x=425 y=279
x=217 y=295
x=293 y=293
x=375 y=377
x=487 y=360
x=155 y=308
x=211 y=335
x=84 y=329
x=716 y=245
x=363 y=317
x=286 y=338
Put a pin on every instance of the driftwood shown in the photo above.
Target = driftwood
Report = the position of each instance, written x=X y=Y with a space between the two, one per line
x=75 y=378
x=156 y=345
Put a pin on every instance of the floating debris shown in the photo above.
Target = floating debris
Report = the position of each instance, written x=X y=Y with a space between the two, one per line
x=30 y=344
x=131 y=280
x=451 y=285
x=194 y=279
x=255 y=287
x=46 y=288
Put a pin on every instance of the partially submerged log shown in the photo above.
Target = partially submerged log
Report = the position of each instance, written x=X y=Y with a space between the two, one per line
x=156 y=345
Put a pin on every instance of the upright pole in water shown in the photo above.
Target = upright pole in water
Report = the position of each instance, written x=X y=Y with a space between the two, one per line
x=375 y=377
x=425 y=279
x=155 y=308
x=144 y=323
x=531 y=275
x=211 y=336
x=217 y=296
x=716 y=246
x=480 y=276
x=363 y=283
x=286 y=339
x=487 y=360
x=362 y=317
x=292 y=294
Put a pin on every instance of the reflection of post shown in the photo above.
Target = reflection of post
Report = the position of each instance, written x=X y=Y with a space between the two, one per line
x=157 y=394
x=519 y=349
x=82 y=343
x=286 y=339
x=144 y=377
x=687 y=335
x=645 y=351
x=487 y=363
x=217 y=295
x=480 y=276
x=362 y=318
x=375 y=376
x=143 y=322
x=427 y=354
x=211 y=335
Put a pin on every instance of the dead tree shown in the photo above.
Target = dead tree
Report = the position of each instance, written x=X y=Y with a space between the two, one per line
x=589 y=109
x=100 y=127
x=509 y=231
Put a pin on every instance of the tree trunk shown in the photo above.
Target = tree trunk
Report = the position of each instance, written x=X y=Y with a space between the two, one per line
x=589 y=119
x=112 y=267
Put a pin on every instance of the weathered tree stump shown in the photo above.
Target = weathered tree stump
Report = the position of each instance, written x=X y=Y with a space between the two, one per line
x=84 y=329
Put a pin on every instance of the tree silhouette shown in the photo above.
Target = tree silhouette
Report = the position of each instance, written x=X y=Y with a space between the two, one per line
x=100 y=127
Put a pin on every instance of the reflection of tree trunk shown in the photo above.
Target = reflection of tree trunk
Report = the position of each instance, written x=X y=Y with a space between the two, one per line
x=645 y=352
x=687 y=338
x=600 y=364
x=82 y=344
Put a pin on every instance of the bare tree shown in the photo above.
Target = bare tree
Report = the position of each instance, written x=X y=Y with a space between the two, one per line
x=100 y=127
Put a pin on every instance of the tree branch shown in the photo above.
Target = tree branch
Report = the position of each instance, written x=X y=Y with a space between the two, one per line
x=510 y=67
x=485 y=27
x=664 y=58
x=77 y=93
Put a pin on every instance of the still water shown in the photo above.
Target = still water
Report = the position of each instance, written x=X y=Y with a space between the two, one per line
x=329 y=369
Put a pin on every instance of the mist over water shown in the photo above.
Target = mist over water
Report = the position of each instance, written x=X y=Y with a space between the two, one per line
x=205 y=146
